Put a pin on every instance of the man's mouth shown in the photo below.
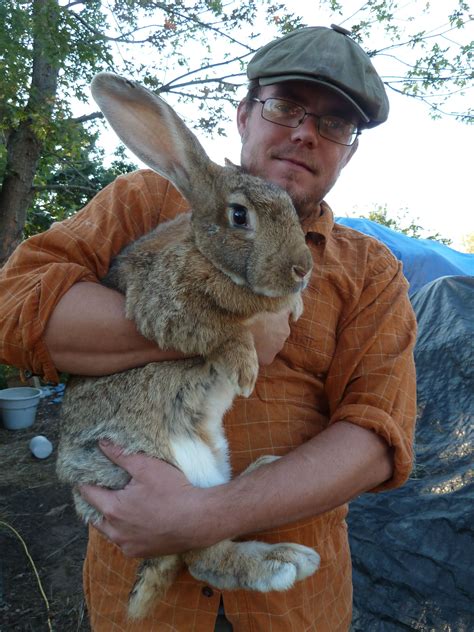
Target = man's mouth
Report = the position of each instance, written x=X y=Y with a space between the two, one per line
x=297 y=163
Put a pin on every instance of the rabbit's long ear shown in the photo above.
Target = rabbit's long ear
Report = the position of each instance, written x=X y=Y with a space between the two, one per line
x=150 y=128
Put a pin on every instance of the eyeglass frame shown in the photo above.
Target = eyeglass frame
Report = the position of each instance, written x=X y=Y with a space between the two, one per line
x=318 y=118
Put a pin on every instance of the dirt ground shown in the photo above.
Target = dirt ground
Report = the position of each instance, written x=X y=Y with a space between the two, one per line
x=40 y=509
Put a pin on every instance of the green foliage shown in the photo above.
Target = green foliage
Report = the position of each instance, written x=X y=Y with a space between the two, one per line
x=69 y=171
x=71 y=183
x=402 y=223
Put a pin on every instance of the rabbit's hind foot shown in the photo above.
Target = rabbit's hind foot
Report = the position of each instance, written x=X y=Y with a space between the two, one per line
x=253 y=565
x=304 y=560
x=154 y=577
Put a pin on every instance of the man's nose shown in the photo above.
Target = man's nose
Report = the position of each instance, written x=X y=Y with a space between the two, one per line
x=307 y=131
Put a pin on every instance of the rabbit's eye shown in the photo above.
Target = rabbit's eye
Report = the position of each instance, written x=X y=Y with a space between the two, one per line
x=239 y=215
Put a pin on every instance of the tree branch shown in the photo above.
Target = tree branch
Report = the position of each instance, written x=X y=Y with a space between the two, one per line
x=71 y=4
x=413 y=39
x=87 y=117
x=432 y=106
x=205 y=25
x=207 y=67
x=196 y=82
x=108 y=38
x=122 y=38
x=62 y=187
x=204 y=97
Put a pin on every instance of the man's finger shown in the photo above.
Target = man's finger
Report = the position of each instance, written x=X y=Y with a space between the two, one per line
x=99 y=497
x=131 y=463
x=112 y=451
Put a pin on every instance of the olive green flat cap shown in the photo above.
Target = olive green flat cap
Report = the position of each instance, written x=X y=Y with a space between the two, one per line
x=329 y=57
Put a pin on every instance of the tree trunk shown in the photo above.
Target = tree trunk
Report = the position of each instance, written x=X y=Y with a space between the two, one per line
x=17 y=189
x=23 y=146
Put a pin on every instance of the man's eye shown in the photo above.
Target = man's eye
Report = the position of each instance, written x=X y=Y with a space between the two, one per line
x=239 y=215
x=284 y=108
x=335 y=124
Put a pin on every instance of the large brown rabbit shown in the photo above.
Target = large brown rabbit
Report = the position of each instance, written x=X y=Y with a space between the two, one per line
x=191 y=285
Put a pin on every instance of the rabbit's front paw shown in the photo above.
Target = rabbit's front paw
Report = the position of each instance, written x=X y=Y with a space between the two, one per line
x=246 y=375
x=240 y=364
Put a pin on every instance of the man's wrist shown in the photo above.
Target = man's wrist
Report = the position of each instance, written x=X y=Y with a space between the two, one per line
x=216 y=520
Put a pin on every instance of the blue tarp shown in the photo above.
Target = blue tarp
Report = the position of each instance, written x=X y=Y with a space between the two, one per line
x=423 y=259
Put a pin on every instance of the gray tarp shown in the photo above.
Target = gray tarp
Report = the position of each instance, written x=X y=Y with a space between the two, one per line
x=413 y=547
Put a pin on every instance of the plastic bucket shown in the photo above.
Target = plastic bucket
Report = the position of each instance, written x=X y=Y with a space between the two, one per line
x=18 y=406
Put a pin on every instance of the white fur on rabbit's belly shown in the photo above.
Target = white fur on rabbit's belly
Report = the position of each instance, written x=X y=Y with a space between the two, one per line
x=203 y=465
x=198 y=462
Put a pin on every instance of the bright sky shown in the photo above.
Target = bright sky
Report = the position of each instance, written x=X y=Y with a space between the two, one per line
x=411 y=162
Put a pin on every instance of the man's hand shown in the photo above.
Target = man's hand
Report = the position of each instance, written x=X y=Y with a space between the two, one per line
x=270 y=332
x=157 y=513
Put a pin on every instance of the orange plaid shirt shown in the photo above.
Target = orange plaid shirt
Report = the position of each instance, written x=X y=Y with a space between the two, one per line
x=349 y=357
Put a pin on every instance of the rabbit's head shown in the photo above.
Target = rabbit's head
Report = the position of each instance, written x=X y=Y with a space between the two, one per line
x=246 y=227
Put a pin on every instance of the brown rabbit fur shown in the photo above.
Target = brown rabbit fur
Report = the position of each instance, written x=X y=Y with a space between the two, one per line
x=191 y=285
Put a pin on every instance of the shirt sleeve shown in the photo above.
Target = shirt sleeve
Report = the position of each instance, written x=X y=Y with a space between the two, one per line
x=371 y=381
x=44 y=267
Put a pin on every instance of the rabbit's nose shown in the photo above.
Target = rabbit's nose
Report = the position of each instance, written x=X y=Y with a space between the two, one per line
x=299 y=272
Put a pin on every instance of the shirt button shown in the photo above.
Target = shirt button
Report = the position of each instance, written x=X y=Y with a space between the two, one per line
x=207 y=591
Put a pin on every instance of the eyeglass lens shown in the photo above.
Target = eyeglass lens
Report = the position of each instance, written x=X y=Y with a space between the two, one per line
x=291 y=114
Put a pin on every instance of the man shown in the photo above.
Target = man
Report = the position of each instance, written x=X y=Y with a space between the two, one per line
x=337 y=402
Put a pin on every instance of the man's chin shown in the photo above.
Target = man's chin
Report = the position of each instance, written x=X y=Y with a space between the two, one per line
x=306 y=201
x=292 y=181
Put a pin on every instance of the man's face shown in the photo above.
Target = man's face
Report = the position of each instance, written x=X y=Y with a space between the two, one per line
x=298 y=159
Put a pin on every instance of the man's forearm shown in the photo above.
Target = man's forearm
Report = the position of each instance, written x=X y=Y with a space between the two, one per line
x=88 y=334
x=323 y=473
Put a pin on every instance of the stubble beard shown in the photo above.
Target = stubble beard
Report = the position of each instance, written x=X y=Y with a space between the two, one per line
x=305 y=203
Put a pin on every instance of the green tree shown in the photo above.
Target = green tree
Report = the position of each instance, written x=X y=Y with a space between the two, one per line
x=195 y=51
x=43 y=66
x=402 y=223
x=67 y=185
x=50 y=51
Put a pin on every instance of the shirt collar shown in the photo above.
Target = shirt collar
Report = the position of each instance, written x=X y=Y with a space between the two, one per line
x=319 y=226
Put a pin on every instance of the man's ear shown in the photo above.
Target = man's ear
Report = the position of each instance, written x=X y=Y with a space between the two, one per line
x=242 y=116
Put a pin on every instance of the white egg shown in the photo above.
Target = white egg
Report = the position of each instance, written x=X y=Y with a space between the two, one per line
x=41 y=447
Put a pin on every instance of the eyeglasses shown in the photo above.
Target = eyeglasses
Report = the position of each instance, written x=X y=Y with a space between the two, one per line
x=289 y=114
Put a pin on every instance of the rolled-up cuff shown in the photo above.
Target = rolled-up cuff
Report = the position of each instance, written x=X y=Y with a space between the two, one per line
x=382 y=424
